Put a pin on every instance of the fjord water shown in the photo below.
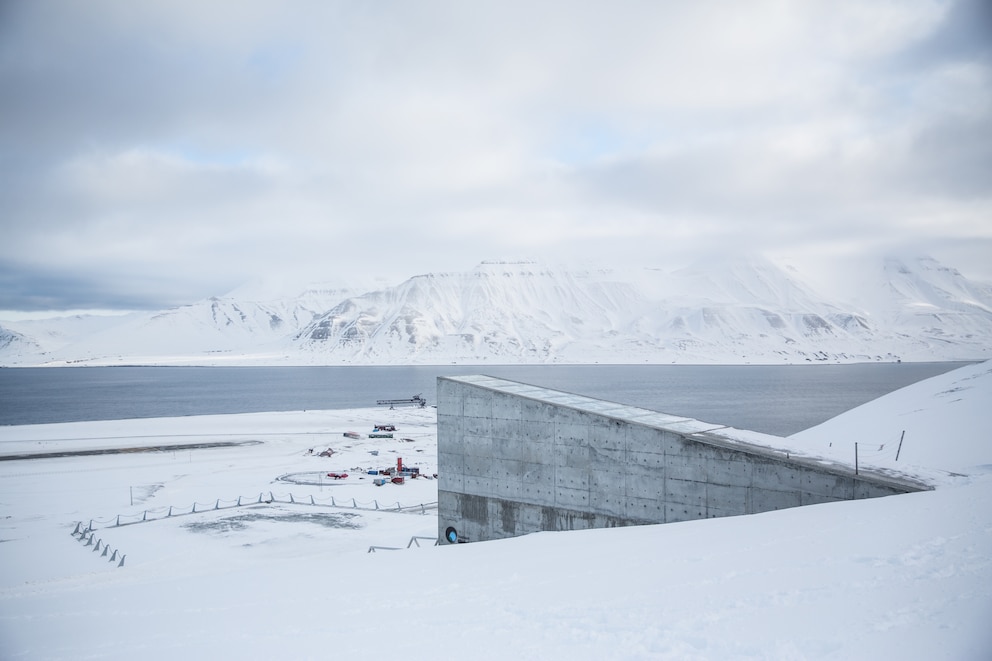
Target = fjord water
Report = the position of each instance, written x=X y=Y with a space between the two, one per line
x=780 y=400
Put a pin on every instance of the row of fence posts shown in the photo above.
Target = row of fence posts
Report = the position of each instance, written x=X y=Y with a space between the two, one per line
x=354 y=504
x=87 y=534
x=902 y=437
x=271 y=499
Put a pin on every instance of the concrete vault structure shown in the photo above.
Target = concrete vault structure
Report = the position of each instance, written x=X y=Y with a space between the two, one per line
x=515 y=459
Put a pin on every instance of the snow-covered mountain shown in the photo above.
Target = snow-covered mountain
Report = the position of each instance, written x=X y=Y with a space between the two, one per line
x=47 y=335
x=518 y=312
x=738 y=310
x=924 y=299
x=14 y=343
x=209 y=331
x=749 y=309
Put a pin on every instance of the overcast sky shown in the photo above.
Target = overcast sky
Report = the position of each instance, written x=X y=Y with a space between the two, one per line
x=155 y=153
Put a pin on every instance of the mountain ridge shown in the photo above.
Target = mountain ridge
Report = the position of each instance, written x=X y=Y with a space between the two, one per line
x=738 y=310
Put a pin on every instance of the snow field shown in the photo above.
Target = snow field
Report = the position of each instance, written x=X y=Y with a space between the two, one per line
x=102 y=488
x=905 y=577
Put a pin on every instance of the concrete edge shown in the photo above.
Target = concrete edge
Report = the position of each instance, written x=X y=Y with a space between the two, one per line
x=709 y=434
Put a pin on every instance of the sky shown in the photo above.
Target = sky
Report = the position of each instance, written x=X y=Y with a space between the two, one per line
x=153 y=154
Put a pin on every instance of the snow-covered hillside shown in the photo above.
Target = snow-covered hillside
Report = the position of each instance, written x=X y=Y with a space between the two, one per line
x=739 y=310
x=903 y=577
x=897 y=433
x=925 y=300
x=209 y=331
x=520 y=312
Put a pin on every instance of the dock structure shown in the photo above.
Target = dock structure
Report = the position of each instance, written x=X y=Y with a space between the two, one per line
x=416 y=400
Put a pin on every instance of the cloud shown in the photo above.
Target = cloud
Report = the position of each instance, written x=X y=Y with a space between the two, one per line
x=189 y=147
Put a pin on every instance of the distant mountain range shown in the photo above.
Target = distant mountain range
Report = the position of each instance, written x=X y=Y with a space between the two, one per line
x=745 y=310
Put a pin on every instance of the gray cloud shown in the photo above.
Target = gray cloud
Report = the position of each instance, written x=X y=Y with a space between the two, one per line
x=154 y=153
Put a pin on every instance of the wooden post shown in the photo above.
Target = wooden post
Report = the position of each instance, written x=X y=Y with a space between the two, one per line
x=900 y=444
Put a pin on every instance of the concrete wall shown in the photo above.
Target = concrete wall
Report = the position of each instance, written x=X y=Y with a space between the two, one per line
x=515 y=459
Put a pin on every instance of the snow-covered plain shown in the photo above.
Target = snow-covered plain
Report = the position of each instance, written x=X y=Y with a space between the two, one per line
x=906 y=577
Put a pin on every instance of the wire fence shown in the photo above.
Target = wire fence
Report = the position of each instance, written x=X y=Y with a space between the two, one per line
x=160 y=513
x=86 y=534
x=85 y=537
x=884 y=452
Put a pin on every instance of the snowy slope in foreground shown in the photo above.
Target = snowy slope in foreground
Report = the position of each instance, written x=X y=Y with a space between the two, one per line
x=906 y=577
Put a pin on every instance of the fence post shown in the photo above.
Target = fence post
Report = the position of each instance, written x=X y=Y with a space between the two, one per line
x=170 y=511
x=354 y=504
x=291 y=498
x=118 y=521
x=97 y=547
x=311 y=500
x=376 y=503
x=333 y=504
x=144 y=515
x=239 y=501
x=121 y=564
x=194 y=508
x=217 y=504
x=78 y=523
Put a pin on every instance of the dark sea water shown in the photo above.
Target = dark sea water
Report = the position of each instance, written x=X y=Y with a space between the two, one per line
x=772 y=399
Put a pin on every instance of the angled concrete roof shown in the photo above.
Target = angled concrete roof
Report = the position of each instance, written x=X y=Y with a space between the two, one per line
x=602 y=407
x=702 y=432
